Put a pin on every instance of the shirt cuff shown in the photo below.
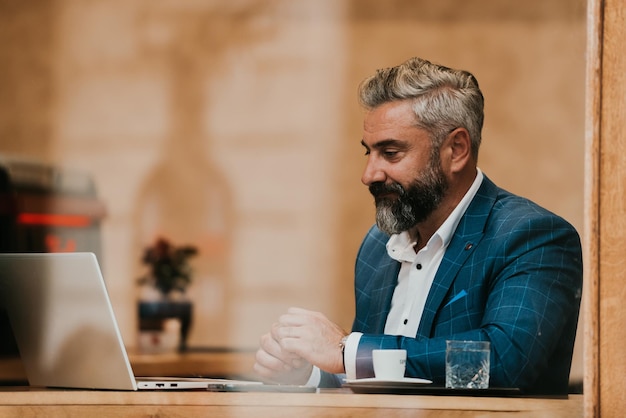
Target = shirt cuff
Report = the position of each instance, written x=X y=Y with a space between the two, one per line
x=315 y=378
x=349 y=354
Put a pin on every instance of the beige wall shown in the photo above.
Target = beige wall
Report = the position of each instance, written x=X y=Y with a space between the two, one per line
x=234 y=126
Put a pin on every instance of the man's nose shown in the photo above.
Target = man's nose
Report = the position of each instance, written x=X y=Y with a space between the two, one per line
x=372 y=173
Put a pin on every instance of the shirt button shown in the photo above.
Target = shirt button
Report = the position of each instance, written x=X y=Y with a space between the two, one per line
x=406 y=321
x=418 y=266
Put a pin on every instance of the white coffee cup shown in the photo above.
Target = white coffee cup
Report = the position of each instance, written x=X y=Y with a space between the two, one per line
x=389 y=364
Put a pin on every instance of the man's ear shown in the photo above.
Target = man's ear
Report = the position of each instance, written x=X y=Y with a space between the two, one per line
x=460 y=149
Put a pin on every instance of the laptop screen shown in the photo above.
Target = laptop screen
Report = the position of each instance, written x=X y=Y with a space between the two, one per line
x=63 y=321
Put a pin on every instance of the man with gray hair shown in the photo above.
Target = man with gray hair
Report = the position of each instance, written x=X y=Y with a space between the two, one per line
x=451 y=257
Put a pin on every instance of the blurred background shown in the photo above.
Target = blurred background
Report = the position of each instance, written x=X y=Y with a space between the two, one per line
x=233 y=126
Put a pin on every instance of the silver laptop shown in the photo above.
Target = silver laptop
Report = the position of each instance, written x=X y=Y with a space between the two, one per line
x=65 y=329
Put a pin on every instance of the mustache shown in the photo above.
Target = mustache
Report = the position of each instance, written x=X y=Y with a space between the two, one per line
x=379 y=188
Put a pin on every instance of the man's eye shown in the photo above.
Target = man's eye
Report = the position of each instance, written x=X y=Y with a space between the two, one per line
x=390 y=154
x=367 y=152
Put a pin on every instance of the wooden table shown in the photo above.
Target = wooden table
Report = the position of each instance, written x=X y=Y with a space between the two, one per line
x=30 y=402
x=24 y=401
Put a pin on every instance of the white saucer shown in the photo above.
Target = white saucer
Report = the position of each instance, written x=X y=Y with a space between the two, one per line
x=402 y=381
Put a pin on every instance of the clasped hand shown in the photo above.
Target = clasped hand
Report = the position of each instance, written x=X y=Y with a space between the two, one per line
x=299 y=340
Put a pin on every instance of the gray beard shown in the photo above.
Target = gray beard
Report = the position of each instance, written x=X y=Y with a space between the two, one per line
x=412 y=205
x=390 y=223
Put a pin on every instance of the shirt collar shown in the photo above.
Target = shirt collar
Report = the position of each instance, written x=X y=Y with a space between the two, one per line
x=400 y=246
x=446 y=230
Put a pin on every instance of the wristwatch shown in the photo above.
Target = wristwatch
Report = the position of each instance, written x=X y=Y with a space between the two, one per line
x=342 y=346
x=342 y=343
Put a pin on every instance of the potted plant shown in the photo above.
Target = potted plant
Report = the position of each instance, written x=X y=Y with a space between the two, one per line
x=169 y=274
x=169 y=268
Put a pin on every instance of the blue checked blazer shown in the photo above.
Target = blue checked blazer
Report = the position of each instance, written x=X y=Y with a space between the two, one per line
x=512 y=275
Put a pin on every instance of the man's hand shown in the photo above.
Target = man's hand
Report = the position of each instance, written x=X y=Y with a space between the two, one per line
x=312 y=337
x=275 y=365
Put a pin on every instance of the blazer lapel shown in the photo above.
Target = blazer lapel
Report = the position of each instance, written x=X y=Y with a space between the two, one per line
x=382 y=295
x=467 y=235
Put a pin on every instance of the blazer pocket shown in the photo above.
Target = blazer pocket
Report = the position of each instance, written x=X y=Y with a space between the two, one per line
x=459 y=296
x=458 y=306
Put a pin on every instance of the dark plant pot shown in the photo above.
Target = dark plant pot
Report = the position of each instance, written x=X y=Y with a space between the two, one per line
x=153 y=314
